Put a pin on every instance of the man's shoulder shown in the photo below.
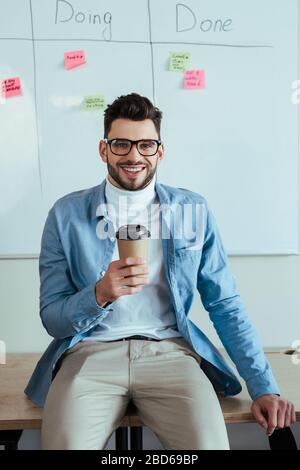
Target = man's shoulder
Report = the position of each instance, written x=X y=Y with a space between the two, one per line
x=178 y=194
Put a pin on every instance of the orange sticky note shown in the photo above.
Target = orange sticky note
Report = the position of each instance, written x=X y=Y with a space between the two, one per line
x=194 y=79
x=10 y=87
x=74 y=59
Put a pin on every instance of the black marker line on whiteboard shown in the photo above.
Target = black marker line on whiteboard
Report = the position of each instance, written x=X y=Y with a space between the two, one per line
x=73 y=39
x=35 y=100
x=248 y=46
x=17 y=39
x=151 y=49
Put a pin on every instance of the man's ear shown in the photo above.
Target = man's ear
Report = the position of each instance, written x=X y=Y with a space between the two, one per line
x=103 y=150
x=160 y=153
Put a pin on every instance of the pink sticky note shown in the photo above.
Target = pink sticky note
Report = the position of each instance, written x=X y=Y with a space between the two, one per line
x=10 y=87
x=194 y=79
x=74 y=59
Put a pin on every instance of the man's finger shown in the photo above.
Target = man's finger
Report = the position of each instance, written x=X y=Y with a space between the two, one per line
x=281 y=415
x=259 y=417
x=131 y=261
x=133 y=270
x=293 y=413
x=272 y=418
x=125 y=262
x=134 y=281
x=288 y=416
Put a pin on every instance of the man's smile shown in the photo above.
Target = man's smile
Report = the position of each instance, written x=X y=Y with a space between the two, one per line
x=132 y=171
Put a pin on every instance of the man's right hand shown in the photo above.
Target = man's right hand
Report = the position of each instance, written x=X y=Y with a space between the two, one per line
x=123 y=277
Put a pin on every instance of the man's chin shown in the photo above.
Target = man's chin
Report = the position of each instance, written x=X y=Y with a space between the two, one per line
x=133 y=185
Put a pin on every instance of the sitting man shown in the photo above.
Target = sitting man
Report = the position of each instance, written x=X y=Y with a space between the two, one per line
x=120 y=326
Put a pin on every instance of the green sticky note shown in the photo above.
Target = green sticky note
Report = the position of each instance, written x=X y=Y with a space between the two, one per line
x=179 y=61
x=93 y=102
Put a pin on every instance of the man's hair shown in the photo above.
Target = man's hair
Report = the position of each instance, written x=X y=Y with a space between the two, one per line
x=134 y=107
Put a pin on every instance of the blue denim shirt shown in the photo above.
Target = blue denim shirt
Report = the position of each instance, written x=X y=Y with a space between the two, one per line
x=73 y=258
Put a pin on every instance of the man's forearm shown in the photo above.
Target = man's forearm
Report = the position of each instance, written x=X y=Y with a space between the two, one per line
x=74 y=314
x=242 y=343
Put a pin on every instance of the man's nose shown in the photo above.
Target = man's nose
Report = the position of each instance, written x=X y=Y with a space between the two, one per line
x=134 y=153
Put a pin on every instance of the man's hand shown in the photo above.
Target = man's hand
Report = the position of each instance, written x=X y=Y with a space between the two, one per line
x=273 y=412
x=123 y=277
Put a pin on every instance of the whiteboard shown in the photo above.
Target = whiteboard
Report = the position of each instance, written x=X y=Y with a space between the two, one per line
x=236 y=142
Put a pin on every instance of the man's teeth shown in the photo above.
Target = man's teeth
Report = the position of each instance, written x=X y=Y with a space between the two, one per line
x=133 y=169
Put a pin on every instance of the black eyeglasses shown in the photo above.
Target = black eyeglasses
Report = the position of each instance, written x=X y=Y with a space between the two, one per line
x=146 y=147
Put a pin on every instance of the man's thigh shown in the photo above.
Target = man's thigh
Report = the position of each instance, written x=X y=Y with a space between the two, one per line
x=88 y=397
x=176 y=399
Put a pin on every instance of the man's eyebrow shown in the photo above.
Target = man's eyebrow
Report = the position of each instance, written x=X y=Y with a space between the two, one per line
x=133 y=140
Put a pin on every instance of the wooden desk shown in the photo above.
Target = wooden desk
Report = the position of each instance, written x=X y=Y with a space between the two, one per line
x=237 y=409
x=18 y=413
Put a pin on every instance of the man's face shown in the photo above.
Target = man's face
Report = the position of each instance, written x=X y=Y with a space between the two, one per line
x=117 y=174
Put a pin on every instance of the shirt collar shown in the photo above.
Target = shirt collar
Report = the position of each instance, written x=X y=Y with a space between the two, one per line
x=98 y=202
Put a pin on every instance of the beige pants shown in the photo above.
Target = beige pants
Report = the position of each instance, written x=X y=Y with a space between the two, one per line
x=90 y=393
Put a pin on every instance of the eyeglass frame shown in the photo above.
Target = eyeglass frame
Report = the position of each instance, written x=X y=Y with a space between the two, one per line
x=132 y=142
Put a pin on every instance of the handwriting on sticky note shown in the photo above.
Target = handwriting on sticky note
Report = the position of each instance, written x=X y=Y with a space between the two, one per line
x=10 y=87
x=179 y=61
x=74 y=59
x=93 y=102
x=194 y=79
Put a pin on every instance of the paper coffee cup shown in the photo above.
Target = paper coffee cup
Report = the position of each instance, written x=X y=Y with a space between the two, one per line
x=132 y=241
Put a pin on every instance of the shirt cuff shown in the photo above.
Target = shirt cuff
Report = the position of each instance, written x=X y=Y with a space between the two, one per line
x=262 y=384
x=92 y=312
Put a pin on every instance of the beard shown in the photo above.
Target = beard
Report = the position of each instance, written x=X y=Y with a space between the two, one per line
x=132 y=185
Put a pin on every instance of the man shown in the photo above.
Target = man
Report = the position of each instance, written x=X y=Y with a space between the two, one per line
x=121 y=329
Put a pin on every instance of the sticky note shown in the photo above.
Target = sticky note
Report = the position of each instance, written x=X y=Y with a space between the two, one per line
x=179 y=61
x=74 y=59
x=194 y=79
x=10 y=87
x=93 y=102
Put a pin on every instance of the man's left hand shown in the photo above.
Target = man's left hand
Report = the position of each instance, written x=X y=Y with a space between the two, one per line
x=272 y=412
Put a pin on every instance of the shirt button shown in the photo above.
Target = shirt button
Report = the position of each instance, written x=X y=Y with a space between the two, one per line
x=112 y=239
x=102 y=273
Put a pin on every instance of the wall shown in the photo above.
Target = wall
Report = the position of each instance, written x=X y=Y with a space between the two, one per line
x=239 y=134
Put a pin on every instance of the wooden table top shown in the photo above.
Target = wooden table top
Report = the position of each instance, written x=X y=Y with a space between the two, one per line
x=237 y=409
x=17 y=412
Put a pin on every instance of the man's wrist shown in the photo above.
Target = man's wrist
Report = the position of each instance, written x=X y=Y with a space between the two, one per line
x=99 y=299
x=102 y=303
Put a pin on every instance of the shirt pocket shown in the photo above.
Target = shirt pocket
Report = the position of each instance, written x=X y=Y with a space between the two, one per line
x=187 y=262
x=191 y=254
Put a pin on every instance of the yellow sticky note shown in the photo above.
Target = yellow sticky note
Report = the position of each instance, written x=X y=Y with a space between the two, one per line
x=179 y=61
x=93 y=102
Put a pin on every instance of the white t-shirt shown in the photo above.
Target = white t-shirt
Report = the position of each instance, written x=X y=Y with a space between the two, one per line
x=149 y=312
